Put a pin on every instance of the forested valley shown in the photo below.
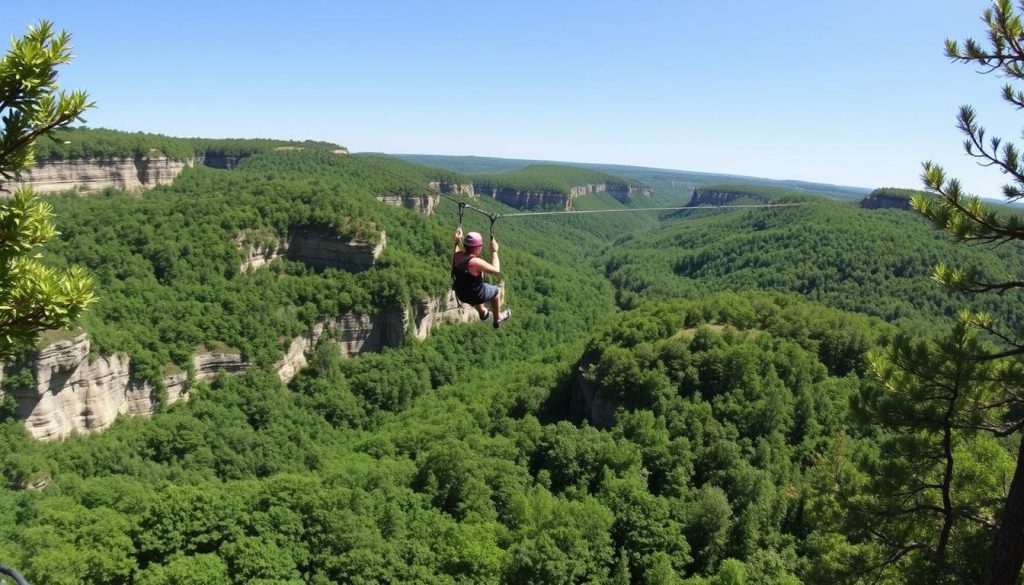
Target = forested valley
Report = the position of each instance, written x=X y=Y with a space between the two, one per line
x=700 y=396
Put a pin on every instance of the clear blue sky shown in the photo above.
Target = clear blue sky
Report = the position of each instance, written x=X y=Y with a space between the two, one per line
x=853 y=93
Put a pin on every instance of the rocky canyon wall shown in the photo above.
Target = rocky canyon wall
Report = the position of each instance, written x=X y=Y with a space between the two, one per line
x=317 y=249
x=75 y=392
x=96 y=174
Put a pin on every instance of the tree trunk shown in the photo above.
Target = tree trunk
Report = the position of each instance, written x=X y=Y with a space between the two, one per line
x=1007 y=554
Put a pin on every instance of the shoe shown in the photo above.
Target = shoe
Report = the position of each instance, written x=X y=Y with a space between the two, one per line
x=486 y=315
x=505 y=316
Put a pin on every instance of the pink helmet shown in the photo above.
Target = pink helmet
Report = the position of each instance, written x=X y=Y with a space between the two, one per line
x=473 y=239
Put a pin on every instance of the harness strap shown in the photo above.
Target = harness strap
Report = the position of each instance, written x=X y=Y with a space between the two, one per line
x=462 y=265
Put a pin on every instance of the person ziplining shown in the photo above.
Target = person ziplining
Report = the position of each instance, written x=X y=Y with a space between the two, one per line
x=468 y=270
x=468 y=267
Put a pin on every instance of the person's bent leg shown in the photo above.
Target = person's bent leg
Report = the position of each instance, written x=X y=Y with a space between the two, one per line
x=481 y=311
x=496 y=307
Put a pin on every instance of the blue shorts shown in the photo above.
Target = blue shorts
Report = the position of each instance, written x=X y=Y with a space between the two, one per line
x=486 y=295
x=490 y=292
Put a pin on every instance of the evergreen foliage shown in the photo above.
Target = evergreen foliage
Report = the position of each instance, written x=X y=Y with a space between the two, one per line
x=34 y=297
x=967 y=219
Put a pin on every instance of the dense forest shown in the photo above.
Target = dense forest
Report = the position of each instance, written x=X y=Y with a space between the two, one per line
x=687 y=397
x=83 y=142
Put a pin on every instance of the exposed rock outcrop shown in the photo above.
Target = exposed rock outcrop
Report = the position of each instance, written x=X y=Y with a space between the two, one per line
x=96 y=174
x=73 y=392
x=208 y=363
x=429 y=313
x=324 y=251
x=527 y=199
x=555 y=199
x=424 y=204
x=450 y=188
x=315 y=248
x=723 y=197
x=355 y=334
x=632 y=192
x=587 y=401
x=621 y=192
x=259 y=251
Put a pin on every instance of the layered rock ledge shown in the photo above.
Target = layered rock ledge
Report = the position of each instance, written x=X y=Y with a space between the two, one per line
x=96 y=174
x=723 y=197
x=73 y=392
x=554 y=199
x=317 y=249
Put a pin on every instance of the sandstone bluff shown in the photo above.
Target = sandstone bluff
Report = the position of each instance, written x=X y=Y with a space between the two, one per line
x=73 y=391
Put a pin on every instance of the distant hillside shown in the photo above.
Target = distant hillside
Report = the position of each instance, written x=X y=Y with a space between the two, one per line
x=725 y=194
x=669 y=186
x=100 y=142
x=878 y=263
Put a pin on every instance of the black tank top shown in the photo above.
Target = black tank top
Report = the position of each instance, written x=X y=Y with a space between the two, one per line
x=468 y=287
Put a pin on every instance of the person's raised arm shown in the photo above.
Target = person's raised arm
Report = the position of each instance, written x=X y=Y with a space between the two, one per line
x=495 y=261
x=458 y=241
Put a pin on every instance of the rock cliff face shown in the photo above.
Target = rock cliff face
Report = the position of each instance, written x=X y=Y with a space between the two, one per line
x=314 y=248
x=885 y=202
x=590 y=189
x=527 y=199
x=355 y=334
x=428 y=314
x=321 y=251
x=632 y=192
x=91 y=175
x=75 y=393
x=622 y=193
x=424 y=204
x=587 y=400
x=208 y=363
x=717 y=197
x=551 y=199
x=453 y=188
x=259 y=252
